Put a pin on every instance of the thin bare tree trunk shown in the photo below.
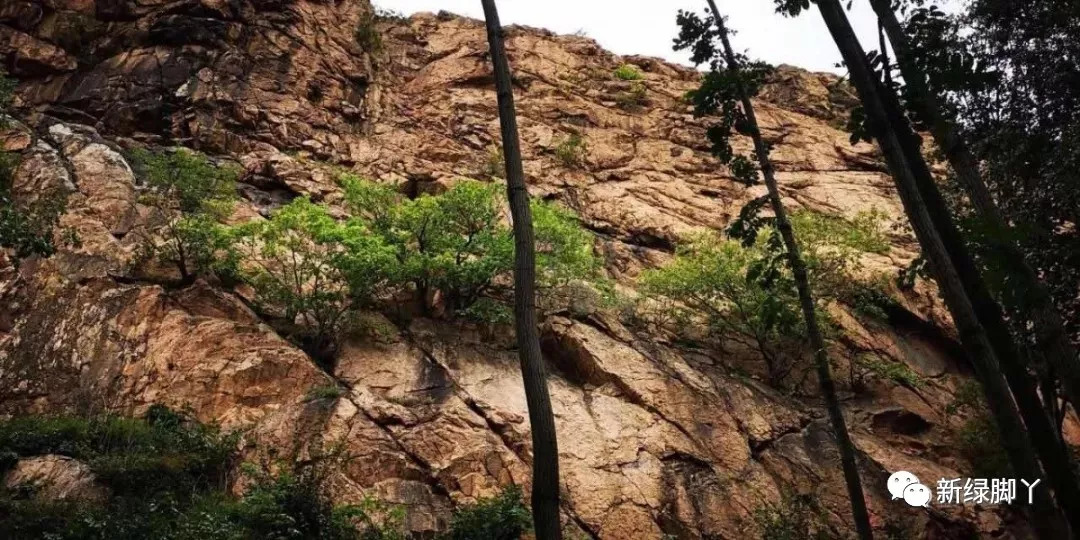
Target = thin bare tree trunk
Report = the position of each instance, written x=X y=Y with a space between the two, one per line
x=979 y=346
x=848 y=457
x=545 y=485
x=1051 y=337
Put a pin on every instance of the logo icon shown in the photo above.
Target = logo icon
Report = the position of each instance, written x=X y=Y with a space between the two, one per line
x=900 y=480
x=917 y=495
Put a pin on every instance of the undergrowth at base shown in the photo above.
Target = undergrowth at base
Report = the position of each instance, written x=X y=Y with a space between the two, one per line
x=167 y=477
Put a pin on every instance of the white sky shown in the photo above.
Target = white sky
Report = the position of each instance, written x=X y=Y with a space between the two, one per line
x=647 y=27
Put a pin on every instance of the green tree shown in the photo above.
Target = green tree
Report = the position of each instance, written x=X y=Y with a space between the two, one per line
x=545 y=485
x=189 y=195
x=457 y=242
x=311 y=269
x=742 y=291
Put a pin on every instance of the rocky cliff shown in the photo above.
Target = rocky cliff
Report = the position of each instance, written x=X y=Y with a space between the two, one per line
x=656 y=437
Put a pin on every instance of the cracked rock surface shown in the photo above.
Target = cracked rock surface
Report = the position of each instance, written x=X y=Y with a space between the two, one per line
x=655 y=438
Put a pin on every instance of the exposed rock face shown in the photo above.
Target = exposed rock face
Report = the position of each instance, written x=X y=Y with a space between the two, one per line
x=54 y=477
x=655 y=438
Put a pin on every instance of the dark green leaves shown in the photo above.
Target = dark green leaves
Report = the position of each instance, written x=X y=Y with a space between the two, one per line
x=26 y=228
x=189 y=196
x=721 y=91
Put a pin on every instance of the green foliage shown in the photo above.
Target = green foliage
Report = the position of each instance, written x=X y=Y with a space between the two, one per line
x=310 y=269
x=863 y=233
x=7 y=89
x=166 y=475
x=796 y=517
x=161 y=451
x=28 y=228
x=744 y=291
x=627 y=72
x=571 y=151
x=459 y=244
x=721 y=91
x=327 y=391
x=503 y=517
x=495 y=165
x=186 y=181
x=291 y=505
x=367 y=35
x=977 y=438
x=189 y=196
x=633 y=98
x=486 y=310
x=895 y=371
x=710 y=282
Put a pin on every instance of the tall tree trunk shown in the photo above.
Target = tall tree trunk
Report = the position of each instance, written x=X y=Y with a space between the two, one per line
x=545 y=486
x=848 y=458
x=896 y=145
x=1044 y=436
x=1036 y=302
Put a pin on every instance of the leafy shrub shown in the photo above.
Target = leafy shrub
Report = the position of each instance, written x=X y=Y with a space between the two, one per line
x=571 y=151
x=504 y=517
x=327 y=391
x=311 y=269
x=495 y=165
x=25 y=229
x=28 y=228
x=633 y=98
x=863 y=233
x=977 y=438
x=292 y=505
x=797 y=517
x=708 y=283
x=627 y=72
x=189 y=195
x=367 y=35
x=163 y=450
x=895 y=371
x=167 y=479
x=458 y=242
x=743 y=291
x=7 y=89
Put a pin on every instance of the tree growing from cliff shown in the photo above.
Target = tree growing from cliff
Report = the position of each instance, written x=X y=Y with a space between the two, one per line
x=189 y=195
x=457 y=244
x=979 y=319
x=730 y=90
x=310 y=270
x=545 y=484
x=739 y=291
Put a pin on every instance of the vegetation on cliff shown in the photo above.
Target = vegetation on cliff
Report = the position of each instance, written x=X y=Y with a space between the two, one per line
x=176 y=258
x=26 y=226
x=166 y=476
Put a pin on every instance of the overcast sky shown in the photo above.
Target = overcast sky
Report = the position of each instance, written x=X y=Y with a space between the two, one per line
x=647 y=27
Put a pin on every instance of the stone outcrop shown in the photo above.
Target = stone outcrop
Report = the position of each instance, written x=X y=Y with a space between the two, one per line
x=655 y=438
x=55 y=478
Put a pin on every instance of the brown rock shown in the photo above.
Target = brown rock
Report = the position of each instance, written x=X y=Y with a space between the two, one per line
x=55 y=478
